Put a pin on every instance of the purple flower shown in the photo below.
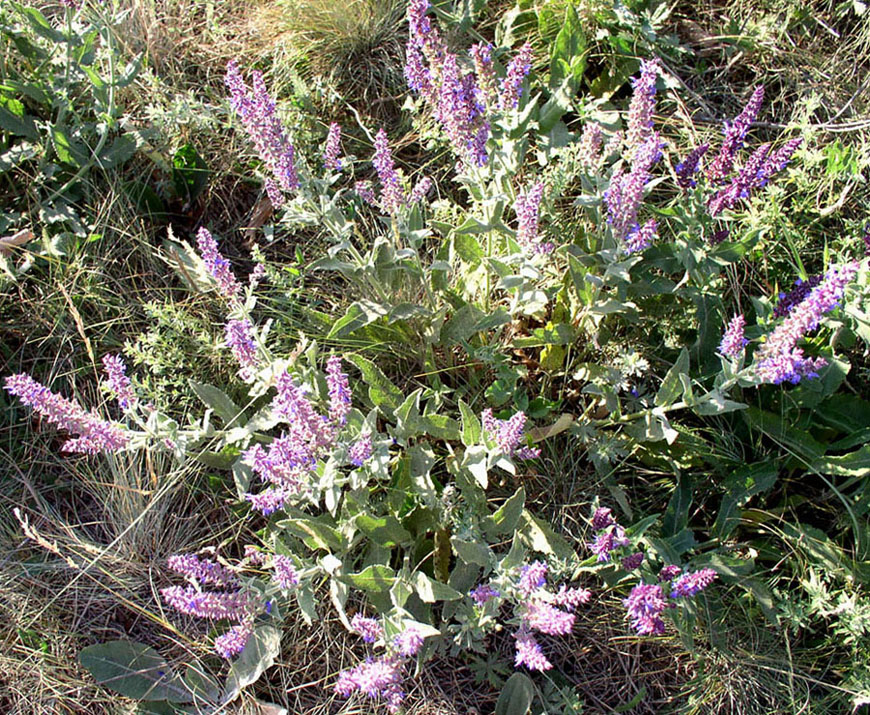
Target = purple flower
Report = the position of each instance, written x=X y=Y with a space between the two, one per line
x=376 y=678
x=416 y=74
x=507 y=434
x=602 y=518
x=241 y=342
x=254 y=555
x=257 y=275
x=526 y=207
x=512 y=84
x=529 y=651
x=256 y=109
x=368 y=628
x=632 y=561
x=789 y=300
x=589 y=150
x=607 y=541
x=408 y=642
x=332 y=150
x=543 y=617
x=218 y=266
x=269 y=500
x=643 y=103
x=215 y=605
x=571 y=598
x=364 y=190
x=392 y=194
x=669 y=572
x=778 y=359
x=117 y=381
x=234 y=640
x=640 y=237
x=461 y=113
x=751 y=176
x=690 y=583
x=735 y=133
x=719 y=236
x=361 y=450
x=94 y=434
x=625 y=192
x=284 y=572
x=483 y=593
x=687 y=168
x=778 y=159
x=309 y=430
x=339 y=391
x=203 y=570
x=481 y=54
x=645 y=605
x=866 y=238
x=733 y=341
x=532 y=577
x=420 y=190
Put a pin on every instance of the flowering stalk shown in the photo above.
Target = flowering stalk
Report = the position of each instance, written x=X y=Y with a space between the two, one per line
x=643 y=103
x=93 y=434
x=240 y=340
x=218 y=266
x=118 y=382
x=733 y=341
x=735 y=133
x=512 y=84
x=332 y=150
x=508 y=434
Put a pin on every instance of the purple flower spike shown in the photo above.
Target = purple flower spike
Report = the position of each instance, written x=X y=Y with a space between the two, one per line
x=332 y=150
x=645 y=605
x=118 y=382
x=508 y=434
x=367 y=628
x=218 y=266
x=735 y=133
x=571 y=598
x=527 y=207
x=256 y=109
x=532 y=577
x=733 y=341
x=215 y=605
x=203 y=570
x=688 y=167
x=632 y=561
x=481 y=54
x=691 y=583
x=669 y=572
x=483 y=593
x=233 y=642
x=589 y=151
x=408 y=642
x=364 y=190
x=512 y=84
x=420 y=190
x=240 y=340
x=602 y=518
x=643 y=103
x=543 y=617
x=640 y=237
x=778 y=359
x=94 y=434
x=529 y=651
x=789 y=300
x=339 y=391
x=361 y=450
x=392 y=194
x=284 y=572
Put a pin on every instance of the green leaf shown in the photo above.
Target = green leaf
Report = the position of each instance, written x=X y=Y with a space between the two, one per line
x=118 y=153
x=315 y=534
x=740 y=486
x=507 y=516
x=260 y=652
x=474 y=460
x=382 y=392
x=375 y=579
x=672 y=385
x=14 y=120
x=471 y=428
x=854 y=464
x=715 y=403
x=539 y=536
x=472 y=552
x=516 y=696
x=201 y=685
x=217 y=400
x=357 y=315
x=676 y=515
x=67 y=150
x=189 y=173
x=567 y=59
x=386 y=530
x=431 y=590
x=134 y=670
x=441 y=427
x=40 y=25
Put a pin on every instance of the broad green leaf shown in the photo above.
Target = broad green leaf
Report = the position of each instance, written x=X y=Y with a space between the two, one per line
x=471 y=429
x=567 y=52
x=715 y=403
x=507 y=516
x=68 y=151
x=676 y=515
x=118 y=152
x=357 y=315
x=219 y=401
x=375 y=579
x=14 y=120
x=189 y=173
x=854 y=464
x=260 y=652
x=386 y=530
x=441 y=427
x=516 y=696
x=315 y=534
x=539 y=536
x=134 y=670
x=382 y=392
x=740 y=486
x=431 y=590
x=672 y=386
x=475 y=461
x=200 y=684
x=472 y=552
